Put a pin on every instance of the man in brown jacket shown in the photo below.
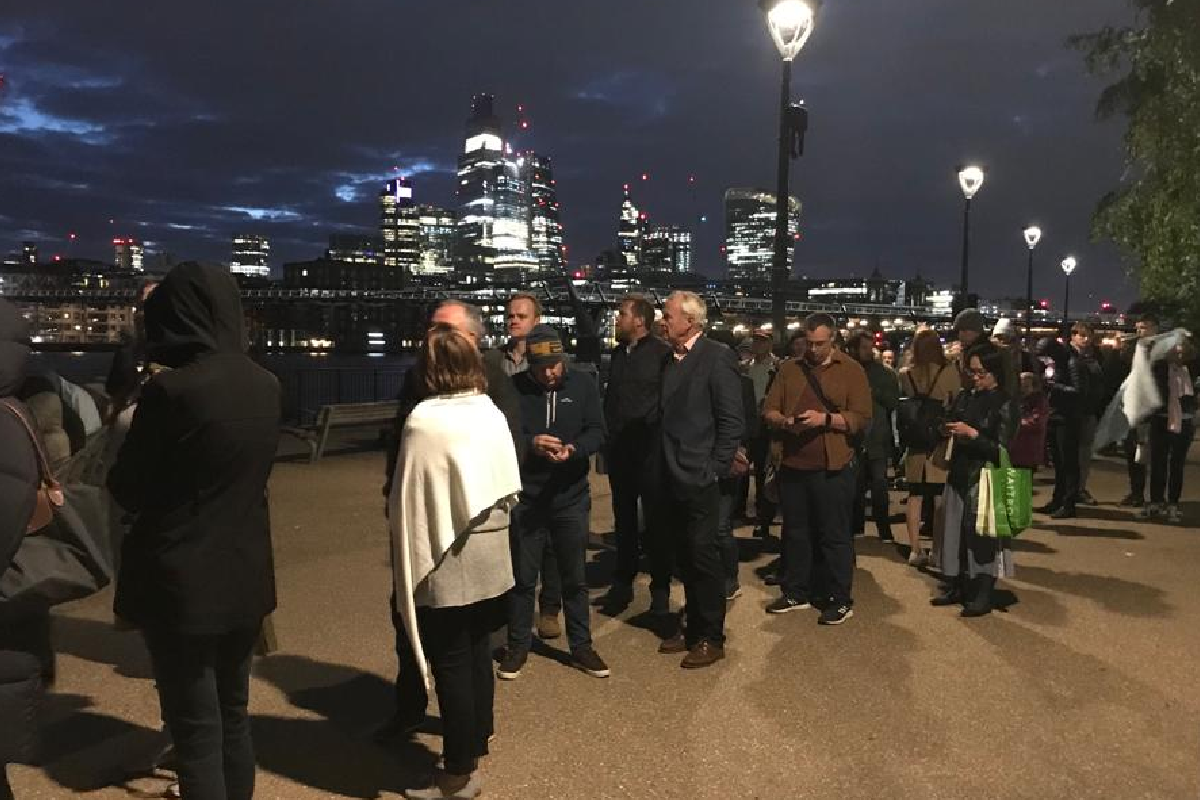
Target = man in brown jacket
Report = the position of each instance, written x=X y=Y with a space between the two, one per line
x=818 y=405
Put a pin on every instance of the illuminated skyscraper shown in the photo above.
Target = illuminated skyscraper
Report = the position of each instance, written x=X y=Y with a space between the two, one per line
x=29 y=253
x=667 y=248
x=493 y=220
x=750 y=232
x=127 y=254
x=629 y=230
x=437 y=240
x=355 y=249
x=400 y=226
x=545 y=227
x=251 y=255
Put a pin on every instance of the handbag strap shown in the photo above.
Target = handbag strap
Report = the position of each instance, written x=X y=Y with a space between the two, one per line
x=912 y=381
x=816 y=387
x=45 y=474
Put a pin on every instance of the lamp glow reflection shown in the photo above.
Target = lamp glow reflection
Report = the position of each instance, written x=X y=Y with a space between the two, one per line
x=1069 y=264
x=791 y=23
x=971 y=180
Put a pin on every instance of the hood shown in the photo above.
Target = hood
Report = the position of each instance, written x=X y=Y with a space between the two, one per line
x=195 y=311
x=14 y=348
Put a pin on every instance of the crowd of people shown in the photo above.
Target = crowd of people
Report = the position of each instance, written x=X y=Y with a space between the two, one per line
x=488 y=487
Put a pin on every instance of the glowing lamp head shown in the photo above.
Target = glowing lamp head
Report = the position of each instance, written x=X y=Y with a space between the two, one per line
x=1033 y=235
x=791 y=23
x=1069 y=264
x=971 y=180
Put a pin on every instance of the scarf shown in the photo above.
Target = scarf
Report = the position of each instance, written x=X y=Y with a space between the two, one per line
x=457 y=463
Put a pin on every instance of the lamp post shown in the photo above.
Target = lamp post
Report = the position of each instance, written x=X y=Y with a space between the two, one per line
x=1068 y=266
x=1033 y=235
x=791 y=23
x=970 y=179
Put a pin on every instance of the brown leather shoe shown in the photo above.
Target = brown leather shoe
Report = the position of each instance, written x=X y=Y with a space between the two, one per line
x=548 y=626
x=704 y=654
x=676 y=644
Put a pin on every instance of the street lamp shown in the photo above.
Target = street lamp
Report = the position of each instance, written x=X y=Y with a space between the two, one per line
x=1033 y=235
x=1068 y=266
x=790 y=23
x=970 y=179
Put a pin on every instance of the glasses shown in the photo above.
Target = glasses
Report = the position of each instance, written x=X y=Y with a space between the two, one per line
x=978 y=373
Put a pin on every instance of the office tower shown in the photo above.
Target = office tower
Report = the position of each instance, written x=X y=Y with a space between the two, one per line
x=493 y=221
x=400 y=226
x=127 y=254
x=629 y=230
x=251 y=255
x=29 y=253
x=437 y=232
x=750 y=232
x=355 y=249
x=545 y=226
x=667 y=248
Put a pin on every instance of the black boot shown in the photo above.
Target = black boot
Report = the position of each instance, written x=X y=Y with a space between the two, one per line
x=981 y=597
x=952 y=595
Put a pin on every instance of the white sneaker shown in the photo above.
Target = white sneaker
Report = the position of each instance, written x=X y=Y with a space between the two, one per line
x=1149 y=511
x=918 y=558
x=1174 y=514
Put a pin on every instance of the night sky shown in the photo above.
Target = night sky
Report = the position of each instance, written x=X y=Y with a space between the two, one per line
x=185 y=122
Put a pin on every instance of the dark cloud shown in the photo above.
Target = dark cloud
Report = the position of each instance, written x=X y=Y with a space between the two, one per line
x=186 y=122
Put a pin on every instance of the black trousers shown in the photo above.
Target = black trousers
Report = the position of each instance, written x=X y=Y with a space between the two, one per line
x=1168 y=454
x=1137 y=472
x=818 y=545
x=1065 y=448
x=204 y=691
x=689 y=519
x=760 y=453
x=872 y=477
x=628 y=479
x=412 y=700
x=457 y=643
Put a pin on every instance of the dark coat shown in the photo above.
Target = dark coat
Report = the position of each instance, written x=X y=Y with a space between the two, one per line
x=195 y=464
x=571 y=413
x=878 y=440
x=702 y=416
x=631 y=398
x=18 y=462
x=991 y=414
x=500 y=390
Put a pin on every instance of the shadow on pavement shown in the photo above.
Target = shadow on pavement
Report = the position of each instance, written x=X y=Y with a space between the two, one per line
x=83 y=750
x=1095 y=533
x=335 y=753
x=1032 y=546
x=1114 y=594
x=102 y=643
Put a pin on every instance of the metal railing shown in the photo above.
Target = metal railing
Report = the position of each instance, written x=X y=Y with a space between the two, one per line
x=306 y=390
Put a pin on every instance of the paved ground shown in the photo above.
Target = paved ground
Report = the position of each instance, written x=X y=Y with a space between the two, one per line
x=1086 y=688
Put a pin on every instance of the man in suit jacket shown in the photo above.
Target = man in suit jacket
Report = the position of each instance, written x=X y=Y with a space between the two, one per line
x=702 y=425
x=631 y=416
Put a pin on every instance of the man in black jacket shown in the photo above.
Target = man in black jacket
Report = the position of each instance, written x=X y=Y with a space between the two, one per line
x=1066 y=416
x=631 y=414
x=20 y=669
x=412 y=699
x=702 y=426
x=197 y=573
x=563 y=426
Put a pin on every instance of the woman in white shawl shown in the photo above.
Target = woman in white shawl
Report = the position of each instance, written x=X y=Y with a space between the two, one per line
x=456 y=479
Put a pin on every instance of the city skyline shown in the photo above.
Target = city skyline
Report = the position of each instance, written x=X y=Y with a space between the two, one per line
x=271 y=148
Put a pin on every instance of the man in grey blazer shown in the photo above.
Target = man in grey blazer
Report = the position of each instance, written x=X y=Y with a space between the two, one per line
x=702 y=423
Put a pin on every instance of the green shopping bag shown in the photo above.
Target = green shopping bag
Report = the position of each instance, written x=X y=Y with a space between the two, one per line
x=1005 y=505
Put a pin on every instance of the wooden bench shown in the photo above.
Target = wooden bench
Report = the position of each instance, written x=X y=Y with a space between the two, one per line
x=343 y=415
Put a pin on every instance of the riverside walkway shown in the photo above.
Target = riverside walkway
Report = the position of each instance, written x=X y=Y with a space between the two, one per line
x=1085 y=688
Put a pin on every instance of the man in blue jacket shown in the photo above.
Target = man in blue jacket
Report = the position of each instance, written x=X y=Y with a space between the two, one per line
x=562 y=426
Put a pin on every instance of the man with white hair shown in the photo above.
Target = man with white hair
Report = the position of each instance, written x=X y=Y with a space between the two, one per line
x=702 y=424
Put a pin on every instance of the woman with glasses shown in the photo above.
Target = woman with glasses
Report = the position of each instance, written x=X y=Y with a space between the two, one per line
x=981 y=421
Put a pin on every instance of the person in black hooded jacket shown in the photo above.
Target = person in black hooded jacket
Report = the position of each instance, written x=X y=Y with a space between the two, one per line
x=20 y=670
x=197 y=574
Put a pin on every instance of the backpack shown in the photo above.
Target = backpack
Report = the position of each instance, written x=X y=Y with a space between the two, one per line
x=919 y=418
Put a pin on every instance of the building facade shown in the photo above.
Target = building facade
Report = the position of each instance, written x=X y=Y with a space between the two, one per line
x=667 y=248
x=629 y=230
x=750 y=233
x=437 y=232
x=128 y=254
x=545 y=223
x=251 y=256
x=400 y=226
x=350 y=248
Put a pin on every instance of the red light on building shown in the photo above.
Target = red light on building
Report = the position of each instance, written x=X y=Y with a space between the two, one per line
x=578 y=273
x=118 y=241
x=1045 y=304
x=58 y=258
x=71 y=236
x=645 y=176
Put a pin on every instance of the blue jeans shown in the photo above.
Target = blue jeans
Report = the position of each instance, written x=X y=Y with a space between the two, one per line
x=726 y=541
x=567 y=528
